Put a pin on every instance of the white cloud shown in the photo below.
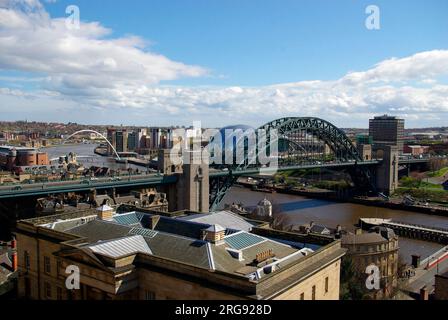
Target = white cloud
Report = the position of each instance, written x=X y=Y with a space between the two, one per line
x=84 y=70
x=33 y=42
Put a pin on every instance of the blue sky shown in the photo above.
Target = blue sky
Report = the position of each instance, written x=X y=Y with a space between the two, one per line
x=253 y=42
x=232 y=53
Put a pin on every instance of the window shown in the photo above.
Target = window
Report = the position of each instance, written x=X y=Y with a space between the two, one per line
x=59 y=293
x=149 y=295
x=58 y=267
x=313 y=294
x=47 y=288
x=47 y=265
x=27 y=260
x=326 y=284
x=302 y=296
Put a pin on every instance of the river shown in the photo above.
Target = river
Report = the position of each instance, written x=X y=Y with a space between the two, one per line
x=300 y=210
x=87 y=150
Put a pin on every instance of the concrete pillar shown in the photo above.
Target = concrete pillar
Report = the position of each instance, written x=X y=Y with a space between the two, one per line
x=193 y=184
x=387 y=171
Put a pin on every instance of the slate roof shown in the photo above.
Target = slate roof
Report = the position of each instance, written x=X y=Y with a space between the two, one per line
x=227 y=219
x=365 y=238
x=98 y=230
x=179 y=227
x=121 y=247
x=177 y=240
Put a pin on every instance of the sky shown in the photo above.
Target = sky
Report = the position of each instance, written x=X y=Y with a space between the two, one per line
x=159 y=63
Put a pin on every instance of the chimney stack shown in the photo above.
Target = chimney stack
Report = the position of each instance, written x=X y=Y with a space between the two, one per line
x=14 y=255
x=105 y=212
x=214 y=234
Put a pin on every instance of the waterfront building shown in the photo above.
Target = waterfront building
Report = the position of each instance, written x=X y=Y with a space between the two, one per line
x=264 y=209
x=112 y=139
x=156 y=134
x=133 y=142
x=121 y=137
x=12 y=157
x=149 y=255
x=387 y=131
x=377 y=247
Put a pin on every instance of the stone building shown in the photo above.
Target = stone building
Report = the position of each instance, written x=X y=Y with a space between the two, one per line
x=377 y=247
x=441 y=287
x=137 y=255
x=264 y=208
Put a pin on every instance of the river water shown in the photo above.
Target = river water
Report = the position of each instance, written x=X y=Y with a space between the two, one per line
x=87 y=150
x=300 y=210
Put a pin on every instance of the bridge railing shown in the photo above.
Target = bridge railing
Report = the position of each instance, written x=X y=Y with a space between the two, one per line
x=436 y=255
x=418 y=226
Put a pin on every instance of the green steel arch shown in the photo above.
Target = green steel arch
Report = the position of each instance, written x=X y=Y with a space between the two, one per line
x=335 y=138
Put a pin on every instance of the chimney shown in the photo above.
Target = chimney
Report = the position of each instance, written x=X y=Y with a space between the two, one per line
x=214 y=234
x=105 y=212
x=153 y=221
x=424 y=293
x=14 y=255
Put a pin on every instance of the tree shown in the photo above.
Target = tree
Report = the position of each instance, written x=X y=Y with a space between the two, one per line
x=352 y=281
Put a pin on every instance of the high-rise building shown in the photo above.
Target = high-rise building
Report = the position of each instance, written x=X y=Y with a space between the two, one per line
x=156 y=134
x=387 y=131
x=112 y=139
x=133 y=141
x=121 y=137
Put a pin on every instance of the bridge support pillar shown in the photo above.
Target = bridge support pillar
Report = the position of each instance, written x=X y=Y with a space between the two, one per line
x=365 y=151
x=387 y=171
x=193 y=185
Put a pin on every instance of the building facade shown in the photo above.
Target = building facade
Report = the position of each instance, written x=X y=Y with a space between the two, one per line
x=137 y=255
x=387 y=131
x=12 y=157
x=378 y=247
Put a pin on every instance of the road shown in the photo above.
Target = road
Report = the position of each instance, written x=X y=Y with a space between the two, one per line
x=85 y=184
x=427 y=277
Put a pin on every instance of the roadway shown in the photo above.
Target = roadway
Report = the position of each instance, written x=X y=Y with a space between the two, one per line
x=36 y=189
x=269 y=170
x=425 y=277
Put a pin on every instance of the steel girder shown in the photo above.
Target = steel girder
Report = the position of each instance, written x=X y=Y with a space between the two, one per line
x=335 y=138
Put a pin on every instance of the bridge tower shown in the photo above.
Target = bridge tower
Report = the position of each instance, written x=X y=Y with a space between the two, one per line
x=387 y=171
x=193 y=184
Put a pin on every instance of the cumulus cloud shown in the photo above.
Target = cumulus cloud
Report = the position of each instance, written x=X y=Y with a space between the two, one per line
x=121 y=80
x=32 y=41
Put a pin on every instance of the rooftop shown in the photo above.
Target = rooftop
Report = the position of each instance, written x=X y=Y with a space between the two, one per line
x=181 y=240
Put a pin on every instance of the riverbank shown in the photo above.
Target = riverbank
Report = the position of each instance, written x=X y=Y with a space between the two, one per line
x=341 y=197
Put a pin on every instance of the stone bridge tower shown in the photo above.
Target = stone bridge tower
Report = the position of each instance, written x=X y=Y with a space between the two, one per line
x=193 y=185
x=192 y=189
x=387 y=171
